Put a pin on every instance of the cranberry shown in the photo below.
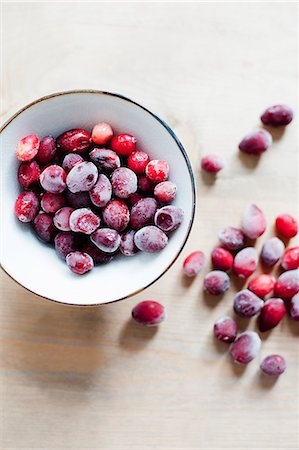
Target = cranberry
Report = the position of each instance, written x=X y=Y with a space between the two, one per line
x=100 y=193
x=53 y=179
x=78 y=200
x=165 y=192
x=193 y=264
x=123 y=144
x=272 y=251
x=232 y=238
x=28 y=174
x=294 y=307
x=222 y=259
x=256 y=142
x=70 y=160
x=127 y=245
x=52 y=202
x=105 y=158
x=101 y=133
x=287 y=284
x=286 y=225
x=138 y=161
x=142 y=213
x=106 y=239
x=26 y=206
x=216 y=282
x=65 y=243
x=79 y=262
x=62 y=218
x=145 y=185
x=150 y=239
x=84 y=221
x=273 y=365
x=47 y=150
x=247 y=304
x=157 y=170
x=261 y=285
x=254 y=222
x=225 y=329
x=44 y=227
x=246 y=347
x=245 y=262
x=116 y=215
x=277 y=116
x=290 y=259
x=124 y=182
x=212 y=163
x=134 y=198
x=76 y=140
x=96 y=254
x=169 y=218
x=82 y=177
x=148 y=313
x=272 y=313
x=27 y=147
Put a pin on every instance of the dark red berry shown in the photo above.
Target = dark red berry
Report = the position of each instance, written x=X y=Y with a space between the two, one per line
x=148 y=313
x=76 y=140
x=277 y=116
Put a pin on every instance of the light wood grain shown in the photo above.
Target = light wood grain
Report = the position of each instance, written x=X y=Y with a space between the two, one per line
x=90 y=378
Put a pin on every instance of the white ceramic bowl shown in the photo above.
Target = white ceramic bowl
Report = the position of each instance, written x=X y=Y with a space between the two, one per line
x=35 y=265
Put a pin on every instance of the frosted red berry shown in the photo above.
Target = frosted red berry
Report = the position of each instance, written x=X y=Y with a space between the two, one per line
x=193 y=264
x=150 y=239
x=222 y=259
x=165 y=192
x=290 y=259
x=261 y=285
x=101 y=133
x=62 y=218
x=212 y=163
x=53 y=179
x=273 y=365
x=232 y=238
x=97 y=255
x=47 y=150
x=169 y=218
x=82 y=177
x=272 y=251
x=70 y=160
x=272 y=313
x=216 y=282
x=148 y=313
x=105 y=159
x=287 y=284
x=100 y=194
x=245 y=262
x=76 y=140
x=294 y=307
x=65 y=243
x=52 y=202
x=127 y=245
x=246 y=347
x=84 y=221
x=124 y=182
x=286 y=225
x=225 y=329
x=247 y=304
x=277 y=116
x=145 y=184
x=44 y=227
x=142 y=212
x=256 y=142
x=79 y=262
x=157 y=170
x=106 y=239
x=26 y=206
x=116 y=215
x=78 y=199
x=138 y=161
x=27 y=147
x=254 y=222
x=28 y=174
x=123 y=144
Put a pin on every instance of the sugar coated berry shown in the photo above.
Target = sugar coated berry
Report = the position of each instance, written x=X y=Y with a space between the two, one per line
x=157 y=170
x=294 y=307
x=62 y=218
x=245 y=262
x=100 y=193
x=290 y=259
x=47 y=150
x=286 y=225
x=138 y=161
x=70 y=160
x=123 y=144
x=272 y=251
x=124 y=182
x=277 y=116
x=256 y=142
x=216 y=282
x=247 y=304
x=169 y=218
x=145 y=185
x=142 y=213
x=261 y=285
x=193 y=264
x=26 y=206
x=148 y=313
x=53 y=179
x=246 y=347
x=222 y=259
x=28 y=174
x=65 y=243
x=27 y=147
x=232 y=238
x=127 y=245
x=82 y=177
x=96 y=254
x=272 y=313
x=106 y=239
x=287 y=284
x=212 y=163
x=150 y=239
x=165 y=192
x=254 y=222
x=116 y=215
x=225 y=329
x=52 y=202
x=273 y=365
x=44 y=227
x=83 y=220
x=134 y=198
x=79 y=262
x=76 y=140
x=105 y=159
x=78 y=200
x=101 y=133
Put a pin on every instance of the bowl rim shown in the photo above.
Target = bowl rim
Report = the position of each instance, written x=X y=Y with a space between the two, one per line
x=182 y=150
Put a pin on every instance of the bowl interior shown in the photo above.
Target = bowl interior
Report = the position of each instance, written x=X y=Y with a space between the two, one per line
x=35 y=265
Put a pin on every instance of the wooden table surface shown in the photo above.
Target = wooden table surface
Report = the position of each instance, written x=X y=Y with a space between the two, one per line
x=76 y=378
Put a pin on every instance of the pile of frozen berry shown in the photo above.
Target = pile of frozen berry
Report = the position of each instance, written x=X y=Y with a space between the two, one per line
x=94 y=195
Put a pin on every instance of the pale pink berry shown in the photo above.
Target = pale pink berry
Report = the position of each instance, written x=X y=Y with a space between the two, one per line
x=216 y=282
x=286 y=225
x=149 y=313
x=165 y=192
x=53 y=179
x=76 y=140
x=245 y=262
x=169 y=218
x=247 y=304
x=232 y=238
x=79 y=262
x=26 y=206
x=212 y=163
x=47 y=150
x=44 y=227
x=52 y=202
x=127 y=245
x=246 y=347
x=277 y=116
x=84 y=221
x=294 y=307
x=272 y=313
x=225 y=329
x=157 y=170
x=142 y=212
x=61 y=218
x=272 y=251
x=101 y=133
x=124 y=182
x=290 y=259
x=106 y=239
x=193 y=264
x=116 y=215
x=256 y=142
x=105 y=159
x=65 y=243
x=287 y=284
x=254 y=222
x=70 y=160
x=273 y=365
x=82 y=177
x=100 y=193
x=27 y=147
x=150 y=239
x=261 y=285
x=222 y=259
